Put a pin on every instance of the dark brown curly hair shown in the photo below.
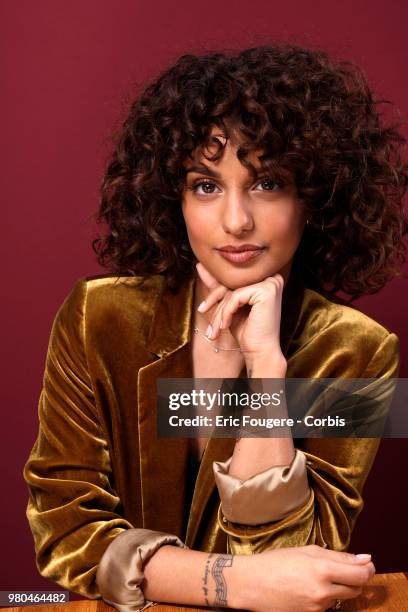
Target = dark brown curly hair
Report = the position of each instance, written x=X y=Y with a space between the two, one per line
x=311 y=117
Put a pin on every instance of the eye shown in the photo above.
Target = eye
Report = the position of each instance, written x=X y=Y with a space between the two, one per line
x=269 y=184
x=206 y=186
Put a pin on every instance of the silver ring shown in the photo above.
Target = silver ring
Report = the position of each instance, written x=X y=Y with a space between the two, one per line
x=337 y=605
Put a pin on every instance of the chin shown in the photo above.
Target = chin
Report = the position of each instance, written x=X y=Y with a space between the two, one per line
x=241 y=278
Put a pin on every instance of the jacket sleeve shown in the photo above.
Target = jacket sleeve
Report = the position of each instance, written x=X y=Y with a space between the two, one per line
x=73 y=511
x=278 y=491
x=337 y=469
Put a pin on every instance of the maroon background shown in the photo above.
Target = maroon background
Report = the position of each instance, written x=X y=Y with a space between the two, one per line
x=70 y=69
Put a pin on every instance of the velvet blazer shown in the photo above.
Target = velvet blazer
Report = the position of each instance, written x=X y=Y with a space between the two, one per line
x=98 y=468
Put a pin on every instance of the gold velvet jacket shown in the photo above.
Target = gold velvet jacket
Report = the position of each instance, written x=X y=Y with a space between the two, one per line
x=98 y=468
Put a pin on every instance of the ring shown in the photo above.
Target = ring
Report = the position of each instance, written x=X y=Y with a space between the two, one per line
x=337 y=605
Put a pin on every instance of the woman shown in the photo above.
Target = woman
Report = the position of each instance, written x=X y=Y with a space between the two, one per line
x=280 y=149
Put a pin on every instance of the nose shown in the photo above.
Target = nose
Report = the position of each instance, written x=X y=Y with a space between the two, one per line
x=236 y=215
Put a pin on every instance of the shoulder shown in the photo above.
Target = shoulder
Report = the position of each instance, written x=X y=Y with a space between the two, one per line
x=108 y=304
x=103 y=291
x=102 y=286
x=323 y=315
x=346 y=336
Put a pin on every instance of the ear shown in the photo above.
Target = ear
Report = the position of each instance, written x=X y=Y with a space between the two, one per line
x=207 y=278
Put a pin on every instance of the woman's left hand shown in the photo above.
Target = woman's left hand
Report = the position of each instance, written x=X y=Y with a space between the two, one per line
x=252 y=313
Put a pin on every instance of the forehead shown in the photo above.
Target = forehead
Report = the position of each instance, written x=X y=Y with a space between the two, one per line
x=230 y=144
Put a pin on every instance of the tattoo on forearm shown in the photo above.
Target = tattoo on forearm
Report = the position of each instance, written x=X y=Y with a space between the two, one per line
x=217 y=568
x=220 y=584
x=205 y=579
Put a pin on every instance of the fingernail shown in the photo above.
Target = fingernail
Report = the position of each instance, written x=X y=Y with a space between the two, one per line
x=364 y=557
x=209 y=331
x=202 y=306
x=221 y=324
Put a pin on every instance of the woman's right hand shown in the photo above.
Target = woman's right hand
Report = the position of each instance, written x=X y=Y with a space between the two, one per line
x=302 y=579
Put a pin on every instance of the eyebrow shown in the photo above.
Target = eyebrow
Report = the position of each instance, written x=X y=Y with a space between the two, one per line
x=203 y=169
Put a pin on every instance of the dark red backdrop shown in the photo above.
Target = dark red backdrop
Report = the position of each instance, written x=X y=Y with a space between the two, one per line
x=70 y=68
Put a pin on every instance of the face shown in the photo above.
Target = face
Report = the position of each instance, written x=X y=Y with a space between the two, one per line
x=222 y=205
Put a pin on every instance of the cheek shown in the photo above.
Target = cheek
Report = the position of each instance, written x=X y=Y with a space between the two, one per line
x=281 y=223
x=197 y=224
x=291 y=219
x=285 y=227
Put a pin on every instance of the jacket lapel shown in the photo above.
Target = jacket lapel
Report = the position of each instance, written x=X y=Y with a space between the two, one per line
x=163 y=461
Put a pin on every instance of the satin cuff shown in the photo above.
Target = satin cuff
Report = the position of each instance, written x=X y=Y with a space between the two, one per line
x=120 y=570
x=268 y=496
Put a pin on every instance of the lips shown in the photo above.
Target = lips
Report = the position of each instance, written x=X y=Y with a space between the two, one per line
x=240 y=248
x=240 y=256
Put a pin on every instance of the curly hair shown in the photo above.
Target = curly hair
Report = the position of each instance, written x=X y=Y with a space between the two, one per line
x=311 y=117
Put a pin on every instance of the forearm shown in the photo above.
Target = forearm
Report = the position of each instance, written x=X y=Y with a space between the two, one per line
x=191 y=577
x=254 y=455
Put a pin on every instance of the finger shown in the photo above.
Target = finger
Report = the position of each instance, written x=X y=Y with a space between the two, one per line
x=349 y=575
x=248 y=295
x=208 y=279
x=278 y=278
x=223 y=316
x=338 y=591
x=216 y=317
x=336 y=555
x=254 y=294
x=230 y=303
x=213 y=297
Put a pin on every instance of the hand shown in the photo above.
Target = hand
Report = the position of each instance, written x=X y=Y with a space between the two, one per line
x=252 y=313
x=307 y=578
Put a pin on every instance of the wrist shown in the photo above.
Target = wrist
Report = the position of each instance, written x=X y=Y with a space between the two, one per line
x=266 y=365
x=241 y=582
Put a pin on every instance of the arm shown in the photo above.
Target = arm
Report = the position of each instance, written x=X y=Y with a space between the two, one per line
x=265 y=479
x=254 y=455
x=213 y=579
x=336 y=469
x=305 y=578
x=73 y=511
